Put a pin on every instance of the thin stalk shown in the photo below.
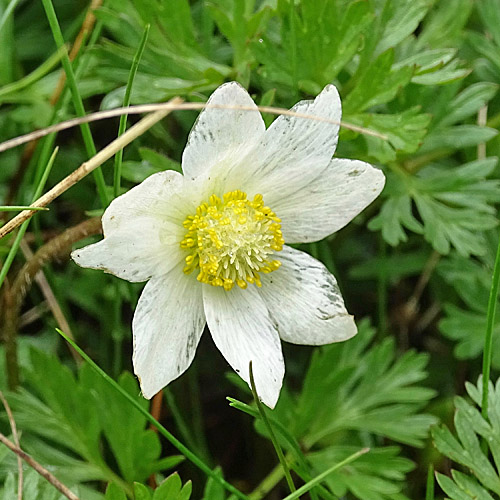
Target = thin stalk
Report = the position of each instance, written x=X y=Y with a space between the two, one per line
x=126 y=103
x=267 y=484
x=488 y=340
x=17 y=208
x=196 y=412
x=313 y=482
x=275 y=442
x=429 y=491
x=166 y=434
x=181 y=424
x=85 y=168
x=8 y=12
x=77 y=98
x=382 y=290
x=24 y=226
x=80 y=63
x=34 y=76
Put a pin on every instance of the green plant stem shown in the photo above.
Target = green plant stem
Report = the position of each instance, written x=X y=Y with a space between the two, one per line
x=166 y=434
x=267 y=484
x=488 y=340
x=181 y=424
x=429 y=491
x=77 y=99
x=197 y=414
x=126 y=103
x=17 y=208
x=10 y=338
x=8 y=12
x=382 y=290
x=24 y=226
x=34 y=76
x=313 y=482
x=275 y=442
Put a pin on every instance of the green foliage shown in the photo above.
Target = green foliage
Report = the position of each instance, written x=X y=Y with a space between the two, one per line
x=170 y=489
x=471 y=280
x=452 y=208
x=79 y=415
x=423 y=76
x=34 y=486
x=353 y=390
x=482 y=480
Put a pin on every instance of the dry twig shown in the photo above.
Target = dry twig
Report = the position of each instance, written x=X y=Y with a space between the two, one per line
x=39 y=468
x=15 y=435
x=85 y=168
x=175 y=105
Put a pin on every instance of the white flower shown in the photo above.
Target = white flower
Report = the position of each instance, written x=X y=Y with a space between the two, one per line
x=211 y=242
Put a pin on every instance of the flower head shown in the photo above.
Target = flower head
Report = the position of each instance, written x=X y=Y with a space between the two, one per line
x=213 y=242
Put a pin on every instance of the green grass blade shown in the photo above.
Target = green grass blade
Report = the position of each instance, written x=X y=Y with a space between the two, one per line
x=77 y=98
x=166 y=434
x=269 y=428
x=19 y=236
x=34 y=76
x=8 y=12
x=320 y=477
x=488 y=340
x=429 y=492
x=126 y=102
x=17 y=208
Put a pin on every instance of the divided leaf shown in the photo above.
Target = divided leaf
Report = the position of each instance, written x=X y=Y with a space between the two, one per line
x=466 y=449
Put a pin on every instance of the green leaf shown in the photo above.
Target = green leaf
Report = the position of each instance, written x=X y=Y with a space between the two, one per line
x=466 y=450
x=213 y=490
x=141 y=492
x=457 y=137
x=469 y=102
x=113 y=492
x=444 y=24
x=405 y=132
x=78 y=414
x=455 y=206
x=377 y=84
x=376 y=475
x=471 y=280
x=158 y=161
x=172 y=489
x=490 y=15
x=405 y=16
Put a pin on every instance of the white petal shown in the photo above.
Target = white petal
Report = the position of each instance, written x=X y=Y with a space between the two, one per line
x=167 y=326
x=292 y=150
x=243 y=332
x=304 y=299
x=142 y=229
x=160 y=196
x=329 y=201
x=222 y=136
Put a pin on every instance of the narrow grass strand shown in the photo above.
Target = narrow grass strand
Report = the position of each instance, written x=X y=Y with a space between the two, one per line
x=166 y=434
x=126 y=103
x=19 y=236
x=313 y=482
x=429 y=491
x=80 y=64
x=34 y=76
x=276 y=445
x=488 y=339
x=8 y=12
x=77 y=98
x=16 y=208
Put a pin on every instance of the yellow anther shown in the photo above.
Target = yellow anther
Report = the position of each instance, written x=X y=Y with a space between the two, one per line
x=231 y=240
x=242 y=284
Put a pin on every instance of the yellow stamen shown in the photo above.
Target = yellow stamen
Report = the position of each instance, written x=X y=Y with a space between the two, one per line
x=231 y=240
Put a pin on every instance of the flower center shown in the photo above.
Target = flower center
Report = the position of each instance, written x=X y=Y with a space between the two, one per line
x=232 y=240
